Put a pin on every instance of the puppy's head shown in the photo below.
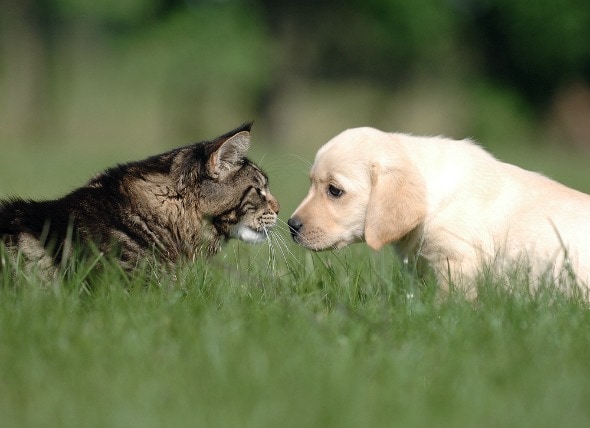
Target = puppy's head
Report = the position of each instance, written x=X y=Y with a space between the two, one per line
x=363 y=187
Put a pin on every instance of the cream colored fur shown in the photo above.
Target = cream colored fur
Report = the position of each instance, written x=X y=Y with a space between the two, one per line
x=444 y=202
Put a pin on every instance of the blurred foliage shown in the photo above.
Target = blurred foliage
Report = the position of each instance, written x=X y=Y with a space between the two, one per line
x=537 y=46
x=152 y=70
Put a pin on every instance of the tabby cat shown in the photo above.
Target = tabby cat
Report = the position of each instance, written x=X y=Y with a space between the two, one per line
x=177 y=205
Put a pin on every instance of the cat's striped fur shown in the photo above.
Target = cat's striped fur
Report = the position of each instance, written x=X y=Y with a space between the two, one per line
x=177 y=205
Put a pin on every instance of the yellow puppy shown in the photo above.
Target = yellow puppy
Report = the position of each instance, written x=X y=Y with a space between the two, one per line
x=444 y=202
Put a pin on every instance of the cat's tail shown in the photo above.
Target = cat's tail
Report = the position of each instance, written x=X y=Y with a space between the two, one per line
x=11 y=211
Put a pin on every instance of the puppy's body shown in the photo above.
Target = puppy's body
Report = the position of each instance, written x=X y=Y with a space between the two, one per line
x=444 y=202
x=179 y=204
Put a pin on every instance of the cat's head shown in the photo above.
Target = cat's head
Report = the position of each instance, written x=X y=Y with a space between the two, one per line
x=227 y=188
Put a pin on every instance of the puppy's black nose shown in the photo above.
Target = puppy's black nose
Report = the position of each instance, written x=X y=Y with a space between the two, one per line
x=294 y=226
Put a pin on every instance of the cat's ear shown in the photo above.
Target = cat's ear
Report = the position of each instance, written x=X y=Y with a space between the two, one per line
x=227 y=154
x=215 y=158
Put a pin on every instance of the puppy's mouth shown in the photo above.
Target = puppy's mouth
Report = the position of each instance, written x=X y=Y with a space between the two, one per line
x=304 y=243
x=315 y=246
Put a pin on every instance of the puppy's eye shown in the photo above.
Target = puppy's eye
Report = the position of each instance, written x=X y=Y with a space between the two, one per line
x=335 y=191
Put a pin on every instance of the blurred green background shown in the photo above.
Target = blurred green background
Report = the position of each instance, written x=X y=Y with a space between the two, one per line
x=85 y=84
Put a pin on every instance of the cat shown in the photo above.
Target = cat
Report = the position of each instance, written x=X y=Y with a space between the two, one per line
x=177 y=205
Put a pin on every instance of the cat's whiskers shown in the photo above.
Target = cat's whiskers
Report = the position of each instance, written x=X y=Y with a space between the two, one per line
x=277 y=241
x=272 y=263
x=256 y=256
x=272 y=259
x=284 y=248
x=282 y=242
x=308 y=163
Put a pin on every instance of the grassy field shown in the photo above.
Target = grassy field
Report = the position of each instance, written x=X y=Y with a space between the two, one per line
x=342 y=339
x=267 y=336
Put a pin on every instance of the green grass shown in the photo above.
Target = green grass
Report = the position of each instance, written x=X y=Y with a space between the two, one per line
x=342 y=339
x=332 y=339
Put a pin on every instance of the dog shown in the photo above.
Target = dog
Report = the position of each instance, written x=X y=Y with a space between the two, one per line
x=173 y=206
x=447 y=205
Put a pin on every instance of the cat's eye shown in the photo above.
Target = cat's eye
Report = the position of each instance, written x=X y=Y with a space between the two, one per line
x=260 y=192
x=335 y=191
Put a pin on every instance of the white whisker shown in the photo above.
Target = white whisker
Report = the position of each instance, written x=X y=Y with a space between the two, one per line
x=282 y=240
x=307 y=162
x=284 y=249
x=255 y=257
x=272 y=259
x=280 y=244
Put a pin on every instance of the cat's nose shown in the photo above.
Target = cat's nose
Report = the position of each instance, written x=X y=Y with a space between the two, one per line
x=295 y=225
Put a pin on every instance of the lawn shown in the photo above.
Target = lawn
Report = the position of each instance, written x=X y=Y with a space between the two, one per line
x=267 y=336
x=247 y=339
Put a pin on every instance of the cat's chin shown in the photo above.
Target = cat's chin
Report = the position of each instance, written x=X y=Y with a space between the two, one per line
x=248 y=234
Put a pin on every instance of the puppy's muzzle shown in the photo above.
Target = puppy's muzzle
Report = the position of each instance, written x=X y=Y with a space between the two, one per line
x=295 y=225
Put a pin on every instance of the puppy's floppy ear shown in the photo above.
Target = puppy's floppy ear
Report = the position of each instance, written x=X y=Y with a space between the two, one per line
x=228 y=153
x=396 y=205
